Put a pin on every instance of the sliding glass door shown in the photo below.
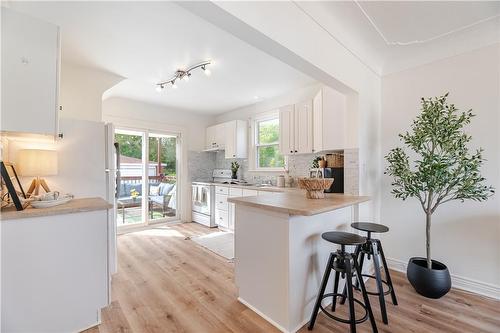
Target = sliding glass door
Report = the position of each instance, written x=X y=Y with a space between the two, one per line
x=148 y=186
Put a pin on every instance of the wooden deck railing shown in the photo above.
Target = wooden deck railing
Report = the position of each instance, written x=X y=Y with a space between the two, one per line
x=151 y=179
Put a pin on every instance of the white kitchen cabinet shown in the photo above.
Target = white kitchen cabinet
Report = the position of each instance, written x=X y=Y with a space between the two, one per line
x=303 y=127
x=215 y=137
x=287 y=129
x=329 y=125
x=296 y=128
x=30 y=74
x=54 y=272
x=236 y=139
x=222 y=218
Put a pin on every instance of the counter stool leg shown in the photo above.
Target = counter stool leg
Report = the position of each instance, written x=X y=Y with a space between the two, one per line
x=335 y=290
x=387 y=274
x=324 y=282
x=378 y=278
x=361 y=263
x=352 y=315
x=366 y=299
x=344 y=292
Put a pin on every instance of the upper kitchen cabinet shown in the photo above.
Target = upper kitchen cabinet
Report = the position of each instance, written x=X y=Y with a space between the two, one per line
x=329 y=122
x=296 y=128
x=215 y=137
x=30 y=74
x=236 y=139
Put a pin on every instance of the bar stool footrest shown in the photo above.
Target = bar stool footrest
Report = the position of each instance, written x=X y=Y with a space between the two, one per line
x=342 y=320
x=375 y=293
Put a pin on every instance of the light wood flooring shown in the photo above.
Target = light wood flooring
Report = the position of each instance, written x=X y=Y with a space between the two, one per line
x=167 y=283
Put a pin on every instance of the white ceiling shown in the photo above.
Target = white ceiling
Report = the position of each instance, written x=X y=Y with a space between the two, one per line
x=390 y=36
x=148 y=41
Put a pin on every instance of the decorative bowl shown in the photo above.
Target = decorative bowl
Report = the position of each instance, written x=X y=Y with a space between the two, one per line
x=315 y=186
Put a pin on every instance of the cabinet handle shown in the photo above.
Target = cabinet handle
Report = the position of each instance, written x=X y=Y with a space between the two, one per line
x=291 y=151
x=234 y=155
x=296 y=151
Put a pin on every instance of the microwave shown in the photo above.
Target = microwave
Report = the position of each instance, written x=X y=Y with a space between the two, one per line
x=336 y=173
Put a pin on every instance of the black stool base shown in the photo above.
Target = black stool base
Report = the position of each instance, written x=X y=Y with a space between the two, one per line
x=343 y=263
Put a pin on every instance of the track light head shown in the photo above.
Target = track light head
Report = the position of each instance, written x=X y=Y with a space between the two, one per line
x=159 y=87
x=206 y=70
x=174 y=85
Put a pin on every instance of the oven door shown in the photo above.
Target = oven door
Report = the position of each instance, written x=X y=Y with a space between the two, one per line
x=201 y=199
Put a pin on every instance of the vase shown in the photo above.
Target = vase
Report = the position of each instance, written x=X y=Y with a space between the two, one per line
x=431 y=283
x=234 y=174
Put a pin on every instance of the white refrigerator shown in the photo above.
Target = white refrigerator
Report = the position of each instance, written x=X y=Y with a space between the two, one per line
x=112 y=169
x=87 y=168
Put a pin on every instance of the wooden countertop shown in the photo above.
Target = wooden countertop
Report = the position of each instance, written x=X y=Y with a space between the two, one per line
x=74 y=206
x=296 y=203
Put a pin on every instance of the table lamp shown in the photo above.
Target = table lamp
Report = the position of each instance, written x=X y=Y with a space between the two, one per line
x=37 y=163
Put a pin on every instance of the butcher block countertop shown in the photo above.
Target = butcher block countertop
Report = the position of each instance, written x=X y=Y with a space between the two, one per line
x=74 y=206
x=297 y=204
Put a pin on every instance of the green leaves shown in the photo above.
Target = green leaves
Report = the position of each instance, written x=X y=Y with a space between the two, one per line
x=443 y=168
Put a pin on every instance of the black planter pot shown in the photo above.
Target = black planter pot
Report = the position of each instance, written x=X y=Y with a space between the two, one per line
x=431 y=283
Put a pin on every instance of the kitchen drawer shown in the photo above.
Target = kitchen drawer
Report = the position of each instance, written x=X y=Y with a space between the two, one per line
x=249 y=193
x=221 y=202
x=221 y=190
x=235 y=192
x=222 y=218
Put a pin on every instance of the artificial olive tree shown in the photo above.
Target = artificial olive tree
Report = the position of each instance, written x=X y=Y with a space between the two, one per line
x=442 y=169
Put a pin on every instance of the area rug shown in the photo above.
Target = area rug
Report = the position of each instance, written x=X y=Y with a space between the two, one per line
x=221 y=243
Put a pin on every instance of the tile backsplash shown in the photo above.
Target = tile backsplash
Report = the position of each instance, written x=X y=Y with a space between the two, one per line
x=201 y=165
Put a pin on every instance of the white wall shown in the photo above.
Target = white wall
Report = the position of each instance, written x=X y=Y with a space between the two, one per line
x=465 y=236
x=134 y=114
x=81 y=91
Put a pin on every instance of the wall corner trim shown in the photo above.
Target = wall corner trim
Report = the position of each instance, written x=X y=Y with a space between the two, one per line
x=459 y=282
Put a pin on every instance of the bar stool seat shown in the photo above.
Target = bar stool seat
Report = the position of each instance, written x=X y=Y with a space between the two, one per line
x=343 y=238
x=370 y=227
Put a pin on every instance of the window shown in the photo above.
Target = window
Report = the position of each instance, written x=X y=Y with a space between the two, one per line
x=267 y=154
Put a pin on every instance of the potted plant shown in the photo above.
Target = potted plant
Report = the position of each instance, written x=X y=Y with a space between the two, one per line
x=443 y=170
x=234 y=169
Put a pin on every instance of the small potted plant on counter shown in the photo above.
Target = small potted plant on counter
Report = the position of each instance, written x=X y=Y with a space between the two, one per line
x=443 y=170
x=234 y=169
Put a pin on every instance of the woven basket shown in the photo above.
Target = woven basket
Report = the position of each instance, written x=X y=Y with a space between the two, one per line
x=335 y=160
x=315 y=186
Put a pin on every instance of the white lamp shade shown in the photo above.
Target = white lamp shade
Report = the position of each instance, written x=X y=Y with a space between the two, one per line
x=37 y=163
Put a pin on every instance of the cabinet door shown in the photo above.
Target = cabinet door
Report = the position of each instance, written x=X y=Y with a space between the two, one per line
x=287 y=130
x=303 y=128
x=333 y=119
x=30 y=74
x=230 y=139
x=210 y=137
x=220 y=135
x=318 y=122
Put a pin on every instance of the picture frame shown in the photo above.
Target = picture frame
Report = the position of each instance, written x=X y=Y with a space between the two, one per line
x=10 y=179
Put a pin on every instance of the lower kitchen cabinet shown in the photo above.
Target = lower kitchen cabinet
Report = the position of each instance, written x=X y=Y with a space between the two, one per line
x=54 y=272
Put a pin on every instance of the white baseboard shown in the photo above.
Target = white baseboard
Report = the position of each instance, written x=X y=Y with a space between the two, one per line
x=257 y=311
x=459 y=282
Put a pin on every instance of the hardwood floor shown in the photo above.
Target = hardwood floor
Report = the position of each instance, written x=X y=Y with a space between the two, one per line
x=167 y=283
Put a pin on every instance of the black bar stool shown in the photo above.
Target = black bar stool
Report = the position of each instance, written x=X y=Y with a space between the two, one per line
x=373 y=248
x=346 y=264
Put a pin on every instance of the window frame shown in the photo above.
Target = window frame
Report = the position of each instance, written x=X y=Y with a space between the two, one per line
x=255 y=143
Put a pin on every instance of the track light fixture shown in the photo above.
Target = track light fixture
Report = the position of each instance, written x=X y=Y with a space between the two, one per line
x=184 y=75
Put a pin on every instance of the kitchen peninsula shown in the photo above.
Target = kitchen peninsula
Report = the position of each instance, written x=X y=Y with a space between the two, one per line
x=279 y=253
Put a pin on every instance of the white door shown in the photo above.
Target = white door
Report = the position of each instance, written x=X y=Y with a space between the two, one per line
x=303 y=127
x=287 y=144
